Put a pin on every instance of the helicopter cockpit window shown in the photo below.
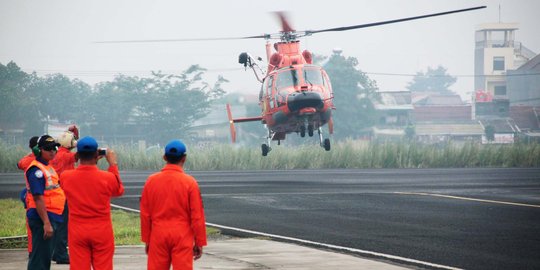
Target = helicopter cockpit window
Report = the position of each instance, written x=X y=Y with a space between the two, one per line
x=282 y=97
x=269 y=81
x=313 y=76
x=287 y=78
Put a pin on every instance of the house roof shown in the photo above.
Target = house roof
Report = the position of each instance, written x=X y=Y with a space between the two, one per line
x=501 y=125
x=400 y=100
x=497 y=26
x=526 y=117
x=533 y=64
x=436 y=100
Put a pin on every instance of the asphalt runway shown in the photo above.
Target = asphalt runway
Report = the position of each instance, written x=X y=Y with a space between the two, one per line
x=472 y=218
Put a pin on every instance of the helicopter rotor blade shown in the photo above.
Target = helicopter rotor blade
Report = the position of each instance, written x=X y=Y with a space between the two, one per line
x=391 y=21
x=265 y=36
x=285 y=25
x=286 y=28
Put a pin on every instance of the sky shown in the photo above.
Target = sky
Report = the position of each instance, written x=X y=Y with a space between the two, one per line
x=59 y=36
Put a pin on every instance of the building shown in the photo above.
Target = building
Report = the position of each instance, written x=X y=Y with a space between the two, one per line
x=440 y=118
x=496 y=51
x=393 y=110
x=440 y=108
x=523 y=84
x=507 y=84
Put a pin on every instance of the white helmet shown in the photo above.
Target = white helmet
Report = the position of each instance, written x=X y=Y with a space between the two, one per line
x=67 y=139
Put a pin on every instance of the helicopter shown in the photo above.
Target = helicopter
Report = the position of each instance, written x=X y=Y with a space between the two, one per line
x=296 y=96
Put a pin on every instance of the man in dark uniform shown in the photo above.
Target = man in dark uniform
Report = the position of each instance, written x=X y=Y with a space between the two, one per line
x=45 y=200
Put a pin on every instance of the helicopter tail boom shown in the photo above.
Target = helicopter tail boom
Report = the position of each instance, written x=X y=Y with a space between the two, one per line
x=238 y=120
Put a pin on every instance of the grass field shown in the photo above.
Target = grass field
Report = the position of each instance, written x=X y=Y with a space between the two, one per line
x=346 y=154
x=12 y=223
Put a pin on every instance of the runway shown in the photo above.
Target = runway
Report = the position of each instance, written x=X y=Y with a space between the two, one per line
x=473 y=218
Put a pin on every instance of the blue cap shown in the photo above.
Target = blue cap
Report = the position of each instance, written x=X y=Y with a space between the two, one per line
x=87 y=144
x=175 y=148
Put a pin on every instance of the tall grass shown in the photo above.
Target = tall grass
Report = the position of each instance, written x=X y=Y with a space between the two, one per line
x=10 y=155
x=345 y=154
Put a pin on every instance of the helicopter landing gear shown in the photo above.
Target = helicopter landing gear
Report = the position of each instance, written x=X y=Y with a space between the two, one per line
x=265 y=149
x=310 y=130
x=327 y=144
x=324 y=143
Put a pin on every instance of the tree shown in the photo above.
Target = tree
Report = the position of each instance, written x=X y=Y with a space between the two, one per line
x=18 y=106
x=111 y=106
x=434 y=80
x=353 y=92
x=157 y=109
x=61 y=98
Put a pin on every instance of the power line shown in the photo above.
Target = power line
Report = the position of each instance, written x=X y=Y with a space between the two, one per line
x=427 y=75
x=103 y=73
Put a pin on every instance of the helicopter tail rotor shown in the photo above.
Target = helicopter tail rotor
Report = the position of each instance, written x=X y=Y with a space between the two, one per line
x=238 y=120
x=285 y=26
x=231 y=123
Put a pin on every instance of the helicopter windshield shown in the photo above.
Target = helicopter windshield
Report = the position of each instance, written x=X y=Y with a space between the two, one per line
x=287 y=78
x=313 y=76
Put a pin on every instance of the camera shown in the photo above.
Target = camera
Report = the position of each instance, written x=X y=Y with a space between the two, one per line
x=102 y=151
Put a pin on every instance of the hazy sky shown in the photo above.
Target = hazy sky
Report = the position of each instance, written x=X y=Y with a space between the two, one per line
x=58 y=36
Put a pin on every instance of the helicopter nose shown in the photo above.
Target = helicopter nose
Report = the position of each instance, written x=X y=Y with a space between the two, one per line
x=300 y=100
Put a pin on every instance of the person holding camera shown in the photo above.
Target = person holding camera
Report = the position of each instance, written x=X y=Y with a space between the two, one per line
x=172 y=215
x=45 y=199
x=89 y=191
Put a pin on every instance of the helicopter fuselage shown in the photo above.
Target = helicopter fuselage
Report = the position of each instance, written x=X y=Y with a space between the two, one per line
x=294 y=97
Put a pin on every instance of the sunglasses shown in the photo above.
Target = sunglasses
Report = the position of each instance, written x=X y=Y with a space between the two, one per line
x=50 y=148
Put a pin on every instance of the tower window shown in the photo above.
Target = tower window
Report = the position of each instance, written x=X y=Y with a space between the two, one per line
x=498 y=63
x=500 y=90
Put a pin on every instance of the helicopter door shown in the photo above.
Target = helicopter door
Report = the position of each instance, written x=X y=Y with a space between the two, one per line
x=329 y=93
x=268 y=99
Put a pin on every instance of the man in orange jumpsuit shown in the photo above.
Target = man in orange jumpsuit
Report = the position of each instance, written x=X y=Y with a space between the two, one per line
x=23 y=165
x=64 y=160
x=172 y=215
x=26 y=160
x=89 y=191
x=45 y=201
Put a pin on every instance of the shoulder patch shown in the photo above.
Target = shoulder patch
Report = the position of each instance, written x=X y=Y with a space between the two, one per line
x=38 y=174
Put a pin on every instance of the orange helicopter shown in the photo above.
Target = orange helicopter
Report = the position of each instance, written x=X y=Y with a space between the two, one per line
x=296 y=95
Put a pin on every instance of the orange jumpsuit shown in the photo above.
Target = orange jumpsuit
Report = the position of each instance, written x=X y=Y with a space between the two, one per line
x=64 y=160
x=25 y=161
x=172 y=218
x=90 y=234
x=23 y=165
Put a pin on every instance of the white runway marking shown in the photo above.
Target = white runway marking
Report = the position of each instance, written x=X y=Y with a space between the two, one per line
x=297 y=240
x=467 y=199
